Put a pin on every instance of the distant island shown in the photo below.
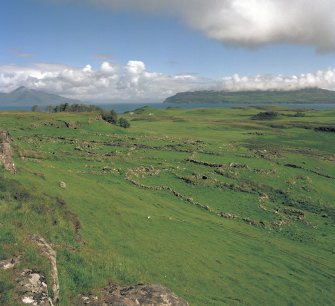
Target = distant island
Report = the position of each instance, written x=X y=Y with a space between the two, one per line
x=307 y=95
x=24 y=96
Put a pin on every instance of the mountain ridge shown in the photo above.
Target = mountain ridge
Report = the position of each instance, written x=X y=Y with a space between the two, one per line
x=306 y=95
x=23 y=96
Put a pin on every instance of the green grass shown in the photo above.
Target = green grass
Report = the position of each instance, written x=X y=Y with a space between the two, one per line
x=133 y=234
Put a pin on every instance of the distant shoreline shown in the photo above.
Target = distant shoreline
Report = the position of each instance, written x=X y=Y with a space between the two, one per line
x=126 y=107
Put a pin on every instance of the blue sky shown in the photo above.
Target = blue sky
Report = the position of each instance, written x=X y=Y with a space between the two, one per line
x=42 y=37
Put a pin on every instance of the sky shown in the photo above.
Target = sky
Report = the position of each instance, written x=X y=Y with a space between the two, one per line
x=147 y=50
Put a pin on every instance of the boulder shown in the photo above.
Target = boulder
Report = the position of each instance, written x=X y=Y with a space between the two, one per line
x=62 y=184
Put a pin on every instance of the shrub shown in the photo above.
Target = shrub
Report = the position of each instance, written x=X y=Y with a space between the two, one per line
x=34 y=108
x=110 y=116
x=265 y=116
x=299 y=114
x=74 y=108
x=124 y=123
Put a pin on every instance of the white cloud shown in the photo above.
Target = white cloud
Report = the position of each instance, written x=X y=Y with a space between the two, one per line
x=132 y=82
x=135 y=67
x=107 y=68
x=322 y=79
x=87 y=68
x=247 y=23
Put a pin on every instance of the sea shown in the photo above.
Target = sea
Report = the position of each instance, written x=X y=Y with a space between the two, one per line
x=127 y=107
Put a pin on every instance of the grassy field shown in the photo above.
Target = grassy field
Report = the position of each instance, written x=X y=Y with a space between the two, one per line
x=220 y=208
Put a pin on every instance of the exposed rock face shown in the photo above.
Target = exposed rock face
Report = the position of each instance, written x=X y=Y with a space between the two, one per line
x=6 y=154
x=50 y=254
x=32 y=288
x=143 y=295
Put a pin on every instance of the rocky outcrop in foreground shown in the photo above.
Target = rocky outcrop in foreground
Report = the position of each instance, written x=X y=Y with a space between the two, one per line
x=50 y=254
x=32 y=288
x=141 y=294
x=6 y=154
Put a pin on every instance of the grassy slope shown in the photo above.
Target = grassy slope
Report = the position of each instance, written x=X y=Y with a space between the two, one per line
x=206 y=259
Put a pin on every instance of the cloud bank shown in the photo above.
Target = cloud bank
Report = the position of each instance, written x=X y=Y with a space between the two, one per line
x=322 y=79
x=133 y=83
x=246 y=23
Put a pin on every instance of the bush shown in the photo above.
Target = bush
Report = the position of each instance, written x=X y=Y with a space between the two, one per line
x=73 y=108
x=124 y=123
x=34 y=108
x=265 y=116
x=110 y=117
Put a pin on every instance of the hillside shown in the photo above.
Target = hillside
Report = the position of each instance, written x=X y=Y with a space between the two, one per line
x=222 y=206
x=24 y=96
x=308 y=95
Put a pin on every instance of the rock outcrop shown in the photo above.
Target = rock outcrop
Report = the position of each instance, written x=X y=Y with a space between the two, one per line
x=32 y=288
x=138 y=295
x=50 y=254
x=6 y=154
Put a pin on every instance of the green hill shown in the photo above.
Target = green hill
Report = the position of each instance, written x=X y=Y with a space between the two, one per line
x=308 y=95
x=222 y=206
